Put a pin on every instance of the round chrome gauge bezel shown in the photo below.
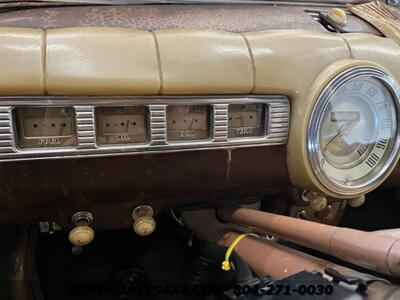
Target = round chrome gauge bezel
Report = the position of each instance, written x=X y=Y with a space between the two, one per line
x=314 y=125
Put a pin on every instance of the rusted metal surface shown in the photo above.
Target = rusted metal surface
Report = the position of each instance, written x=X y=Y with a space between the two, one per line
x=235 y=18
x=54 y=189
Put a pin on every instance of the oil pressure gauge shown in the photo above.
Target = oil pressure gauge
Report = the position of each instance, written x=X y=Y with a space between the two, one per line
x=121 y=125
x=44 y=127
x=246 y=120
x=188 y=122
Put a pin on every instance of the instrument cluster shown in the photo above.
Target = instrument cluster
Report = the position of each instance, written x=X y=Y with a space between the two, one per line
x=353 y=135
x=41 y=128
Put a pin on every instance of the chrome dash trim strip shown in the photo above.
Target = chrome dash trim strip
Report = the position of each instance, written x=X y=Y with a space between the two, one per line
x=85 y=127
x=279 y=115
x=158 y=124
x=6 y=132
x=221 y=122
x=277 y=123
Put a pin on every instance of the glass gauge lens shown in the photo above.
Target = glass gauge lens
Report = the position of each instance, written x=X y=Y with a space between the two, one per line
x=246 y=120
x=188 y=122
x=356 y=133
x=121 y=125
x=42 y=127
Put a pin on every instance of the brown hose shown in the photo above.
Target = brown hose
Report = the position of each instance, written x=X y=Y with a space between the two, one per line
x=378 y=252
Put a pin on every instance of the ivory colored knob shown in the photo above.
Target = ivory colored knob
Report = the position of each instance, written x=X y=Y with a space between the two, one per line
x=338 y=16
x=318 y=203
x=144 y=226
x=356 y=202
x=81 y=235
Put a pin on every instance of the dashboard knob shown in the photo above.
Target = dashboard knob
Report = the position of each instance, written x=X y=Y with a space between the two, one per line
x=316 y=201
x=356 y=202
x=144 y=223
x=144 y=226
x=338 y=16
x=82 y=234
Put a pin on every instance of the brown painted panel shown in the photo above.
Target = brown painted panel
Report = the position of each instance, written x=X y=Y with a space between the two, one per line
x=111 y=187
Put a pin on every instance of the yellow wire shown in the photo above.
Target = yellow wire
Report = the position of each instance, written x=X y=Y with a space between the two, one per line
x=226 y=266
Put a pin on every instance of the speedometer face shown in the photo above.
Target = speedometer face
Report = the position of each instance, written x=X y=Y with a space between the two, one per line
x=353 y=139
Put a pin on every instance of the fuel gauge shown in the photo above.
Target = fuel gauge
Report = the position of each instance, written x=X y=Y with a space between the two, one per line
x=188 y=122
x=246 y=120
x=121 y=125
x=44 y=127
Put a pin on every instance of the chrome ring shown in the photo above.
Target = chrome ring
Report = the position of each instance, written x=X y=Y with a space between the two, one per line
x=316 y=119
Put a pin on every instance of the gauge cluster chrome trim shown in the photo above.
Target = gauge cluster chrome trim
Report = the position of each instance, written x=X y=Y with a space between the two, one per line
x=316 y=118
x=278 y=109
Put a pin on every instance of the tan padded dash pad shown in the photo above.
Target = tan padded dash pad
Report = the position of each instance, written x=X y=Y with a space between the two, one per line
x=101 y=61
x=21 y=61
x=116 y=61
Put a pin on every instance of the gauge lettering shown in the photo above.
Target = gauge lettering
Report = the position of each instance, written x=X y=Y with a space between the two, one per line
x=372 y=160
x=188 y=134
x=48 y=141
x=362 y=149
x=372 y=91
x=381 y=144
x=123 y=137
x=381 y=106
x=385 y=123
x=341 y=91
x=357 y=86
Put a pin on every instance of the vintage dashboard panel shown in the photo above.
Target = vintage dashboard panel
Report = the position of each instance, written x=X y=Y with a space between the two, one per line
x=45 y=127
x=206 y=73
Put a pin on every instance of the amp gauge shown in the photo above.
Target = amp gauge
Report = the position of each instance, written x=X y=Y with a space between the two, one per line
x=121 y=125
x=188 y=122
x=246 y=120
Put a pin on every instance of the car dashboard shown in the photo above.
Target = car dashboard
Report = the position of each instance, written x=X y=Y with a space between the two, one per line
x=112 y=113
x=110 y=93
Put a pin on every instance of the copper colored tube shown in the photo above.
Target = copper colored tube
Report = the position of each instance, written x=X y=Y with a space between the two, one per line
x=378 y=252
x=268 y=258
x=391 y=232
x=278 y=261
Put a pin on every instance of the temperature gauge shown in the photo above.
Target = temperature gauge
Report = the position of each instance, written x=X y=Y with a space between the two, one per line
x=246 y=120
x=43 y=127
x=188 y=122
x=121 y=125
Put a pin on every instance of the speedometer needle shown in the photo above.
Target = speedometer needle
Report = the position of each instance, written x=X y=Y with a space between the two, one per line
x=344 y=128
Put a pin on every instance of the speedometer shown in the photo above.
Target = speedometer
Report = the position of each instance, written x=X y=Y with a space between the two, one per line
x=353 y=131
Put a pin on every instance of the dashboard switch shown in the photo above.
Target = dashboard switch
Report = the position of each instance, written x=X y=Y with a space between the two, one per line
x=144 y=223
x=82 y=234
